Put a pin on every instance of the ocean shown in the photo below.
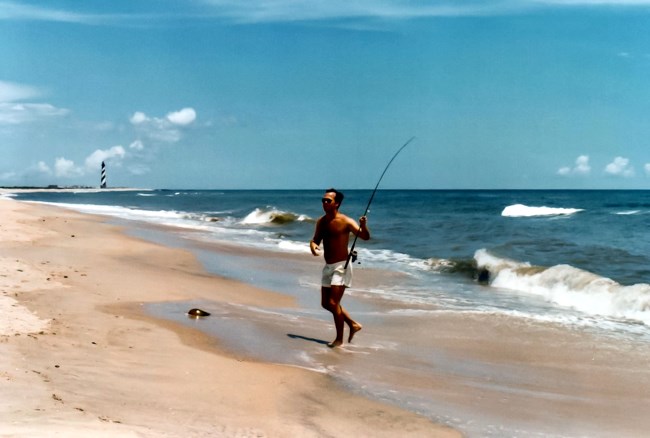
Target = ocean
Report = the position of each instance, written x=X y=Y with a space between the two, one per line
x=576 y=261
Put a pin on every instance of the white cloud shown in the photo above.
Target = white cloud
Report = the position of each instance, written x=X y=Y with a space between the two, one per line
x=138 y=118
x=94 y=160
x=161 y=130
x=65 y=168
x=137 y=145
x=166 y=129
x=646 y=167
x=183 y=117
x=43 y=168
x=581 y=167
x=620 y=167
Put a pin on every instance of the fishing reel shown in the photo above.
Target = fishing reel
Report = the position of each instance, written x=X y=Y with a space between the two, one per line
x=353 y=257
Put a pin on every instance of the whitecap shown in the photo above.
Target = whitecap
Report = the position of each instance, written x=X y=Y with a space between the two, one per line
x=521 y=210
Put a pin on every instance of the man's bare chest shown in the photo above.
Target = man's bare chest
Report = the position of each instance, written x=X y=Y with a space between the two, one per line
x=334 y=228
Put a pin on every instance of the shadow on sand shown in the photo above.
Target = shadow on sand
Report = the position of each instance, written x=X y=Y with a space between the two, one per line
x=304 y=338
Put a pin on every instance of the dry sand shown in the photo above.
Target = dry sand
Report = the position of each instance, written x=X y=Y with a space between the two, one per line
x=79 y=358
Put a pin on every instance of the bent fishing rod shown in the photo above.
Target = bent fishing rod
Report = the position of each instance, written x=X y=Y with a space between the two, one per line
x=356 y=236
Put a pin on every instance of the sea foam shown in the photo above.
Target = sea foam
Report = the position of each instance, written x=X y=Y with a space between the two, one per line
x=521 y=210
x=571 y=287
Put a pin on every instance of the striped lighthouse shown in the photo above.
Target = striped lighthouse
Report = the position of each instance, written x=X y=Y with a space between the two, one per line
x=103 y=183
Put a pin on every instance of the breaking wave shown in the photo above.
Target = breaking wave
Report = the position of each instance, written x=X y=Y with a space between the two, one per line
x=271 y=216
x=520 y=210
x=569 y=287
x=466 y=268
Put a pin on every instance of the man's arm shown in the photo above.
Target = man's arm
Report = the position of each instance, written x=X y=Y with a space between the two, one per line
x=314 y=244
x=360 y=230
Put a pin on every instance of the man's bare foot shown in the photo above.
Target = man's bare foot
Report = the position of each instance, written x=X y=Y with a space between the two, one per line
x=354 y=328
x=335 y=344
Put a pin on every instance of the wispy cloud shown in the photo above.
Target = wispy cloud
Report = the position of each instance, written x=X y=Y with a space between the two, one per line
x=21 y=11
x=137 y=145
x=263 y=11
x=13 y=111
x=11 y=92
x=10 y=10
x=290 y=10
x=567 y=3
x=18 y=113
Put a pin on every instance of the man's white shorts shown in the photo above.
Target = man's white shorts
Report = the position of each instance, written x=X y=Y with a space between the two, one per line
x=335 y=274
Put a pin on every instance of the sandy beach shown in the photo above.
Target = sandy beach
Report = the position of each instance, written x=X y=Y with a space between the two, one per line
x=79 y=357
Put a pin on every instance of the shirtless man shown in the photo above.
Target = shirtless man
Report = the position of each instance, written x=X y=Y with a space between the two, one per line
x=333 y=229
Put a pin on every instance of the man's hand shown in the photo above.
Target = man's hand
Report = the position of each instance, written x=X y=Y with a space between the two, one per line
x=362 y=221
x=363 y=232
x=315 y=249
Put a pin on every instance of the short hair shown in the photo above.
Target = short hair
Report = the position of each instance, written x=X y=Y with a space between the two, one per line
x=338 y=196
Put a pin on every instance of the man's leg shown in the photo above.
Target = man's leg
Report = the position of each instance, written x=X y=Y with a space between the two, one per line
x=331 y=300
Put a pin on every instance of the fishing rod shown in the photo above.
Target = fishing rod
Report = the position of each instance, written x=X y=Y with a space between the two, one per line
x=356 y=236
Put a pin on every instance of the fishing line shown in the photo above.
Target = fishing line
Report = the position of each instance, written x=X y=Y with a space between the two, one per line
x=356 y=236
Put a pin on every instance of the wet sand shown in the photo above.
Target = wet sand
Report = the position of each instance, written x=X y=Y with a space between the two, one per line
x=80 y=357
x=482 y=373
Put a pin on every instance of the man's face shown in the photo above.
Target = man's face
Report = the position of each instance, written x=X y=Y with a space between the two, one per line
x=329 y=202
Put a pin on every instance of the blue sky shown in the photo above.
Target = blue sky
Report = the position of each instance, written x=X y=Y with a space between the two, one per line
x=271 y=94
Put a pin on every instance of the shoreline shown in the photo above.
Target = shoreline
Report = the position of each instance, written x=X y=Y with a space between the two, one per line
x=102 y=366
x=8 y=191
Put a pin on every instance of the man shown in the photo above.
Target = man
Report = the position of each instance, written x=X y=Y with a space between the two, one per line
x=333 y=229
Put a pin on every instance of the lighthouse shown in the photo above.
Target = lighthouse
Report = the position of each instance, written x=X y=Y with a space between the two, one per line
x=103 y=181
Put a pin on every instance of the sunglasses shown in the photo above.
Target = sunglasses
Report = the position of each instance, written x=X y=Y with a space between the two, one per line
x=326 y=201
